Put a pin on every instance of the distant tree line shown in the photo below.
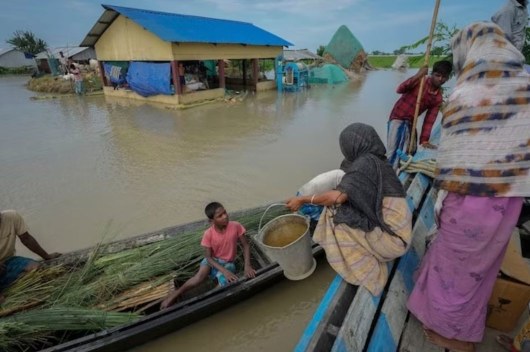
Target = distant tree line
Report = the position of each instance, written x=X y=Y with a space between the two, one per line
x=441 y=45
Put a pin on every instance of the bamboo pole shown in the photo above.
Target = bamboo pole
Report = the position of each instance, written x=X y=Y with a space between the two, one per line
x=412 y=142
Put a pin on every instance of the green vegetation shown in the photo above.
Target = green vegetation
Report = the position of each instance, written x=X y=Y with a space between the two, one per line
x=44 y=305
x=25 y=70
x=57 y=84
x=441 y=42
x=386 y=61
x=27 y=42
x=441 y=49
x=320 y=50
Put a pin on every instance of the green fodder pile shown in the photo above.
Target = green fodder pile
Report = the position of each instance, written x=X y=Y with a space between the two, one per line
x=57 y=84
x=42 y=307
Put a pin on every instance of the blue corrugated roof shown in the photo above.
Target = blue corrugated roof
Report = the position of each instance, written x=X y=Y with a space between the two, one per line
x=174 y=27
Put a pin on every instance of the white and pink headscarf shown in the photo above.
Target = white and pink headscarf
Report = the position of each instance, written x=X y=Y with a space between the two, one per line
x=485 y=145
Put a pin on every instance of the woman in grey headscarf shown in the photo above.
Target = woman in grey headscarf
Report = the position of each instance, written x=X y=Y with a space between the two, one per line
x=366 y=220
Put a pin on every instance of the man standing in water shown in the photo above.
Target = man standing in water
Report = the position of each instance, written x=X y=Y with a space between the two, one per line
x=12 y=225
x=513 y=18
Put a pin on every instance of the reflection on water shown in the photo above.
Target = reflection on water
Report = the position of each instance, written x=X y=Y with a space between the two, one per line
x=74 y=165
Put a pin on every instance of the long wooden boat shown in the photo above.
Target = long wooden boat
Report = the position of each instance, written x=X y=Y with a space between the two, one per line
x=349 y=318
x=158 y=323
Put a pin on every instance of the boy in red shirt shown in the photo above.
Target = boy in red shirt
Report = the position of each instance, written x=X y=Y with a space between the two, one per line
x=400 y=123
x=220 y=244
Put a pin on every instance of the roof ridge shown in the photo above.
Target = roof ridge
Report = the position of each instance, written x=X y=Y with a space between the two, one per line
x=114 y=7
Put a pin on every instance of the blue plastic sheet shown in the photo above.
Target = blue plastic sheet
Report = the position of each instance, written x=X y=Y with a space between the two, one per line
x=149 y=79
x=114 y=73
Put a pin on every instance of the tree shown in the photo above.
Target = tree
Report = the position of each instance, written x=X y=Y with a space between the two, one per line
x=27 y=42
x=320 y=50
x=441 y=41
x=437 y=51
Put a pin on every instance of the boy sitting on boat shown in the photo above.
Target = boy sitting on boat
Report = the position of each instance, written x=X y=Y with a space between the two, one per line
x=220 y=244
x=12 y=225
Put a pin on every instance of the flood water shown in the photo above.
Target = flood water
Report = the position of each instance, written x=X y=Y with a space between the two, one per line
x=83 y=169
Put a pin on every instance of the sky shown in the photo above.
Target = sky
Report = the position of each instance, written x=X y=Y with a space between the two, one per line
x=383 y=25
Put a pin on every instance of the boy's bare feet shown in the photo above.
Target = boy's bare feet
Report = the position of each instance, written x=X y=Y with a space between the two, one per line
x=452 y=345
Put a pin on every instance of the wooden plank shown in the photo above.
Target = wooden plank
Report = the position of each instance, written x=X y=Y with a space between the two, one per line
x=354 y=332
x=414 y=339
x=416 y=190
x=390 y=322
x=324 y=326
x=362 y=308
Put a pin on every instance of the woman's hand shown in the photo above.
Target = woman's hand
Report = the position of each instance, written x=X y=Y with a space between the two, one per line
x=294 y=203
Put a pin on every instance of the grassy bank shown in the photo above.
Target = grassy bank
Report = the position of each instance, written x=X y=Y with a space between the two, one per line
x=56 y=84
x=386 y=61
x=26 y=70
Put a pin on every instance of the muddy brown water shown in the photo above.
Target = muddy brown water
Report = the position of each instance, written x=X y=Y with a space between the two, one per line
x=83 y=169
x=284 y=232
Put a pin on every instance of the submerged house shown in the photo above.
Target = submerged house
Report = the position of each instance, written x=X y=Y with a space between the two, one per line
x=178 y=59
x=48 y=60
x=13 y=58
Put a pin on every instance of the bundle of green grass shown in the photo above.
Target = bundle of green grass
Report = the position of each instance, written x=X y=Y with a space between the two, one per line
x=42 y=305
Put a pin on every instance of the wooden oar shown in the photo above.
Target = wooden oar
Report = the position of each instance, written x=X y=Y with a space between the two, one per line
x=412 y=143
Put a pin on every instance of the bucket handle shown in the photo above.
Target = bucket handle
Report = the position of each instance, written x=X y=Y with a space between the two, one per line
x=265 y=212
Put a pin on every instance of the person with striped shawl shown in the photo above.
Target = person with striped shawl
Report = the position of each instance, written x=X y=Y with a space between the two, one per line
x=366 y=221
x=482 y=172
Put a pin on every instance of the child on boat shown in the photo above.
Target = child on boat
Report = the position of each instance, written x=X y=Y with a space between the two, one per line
x=400 y=122
x=220 y=244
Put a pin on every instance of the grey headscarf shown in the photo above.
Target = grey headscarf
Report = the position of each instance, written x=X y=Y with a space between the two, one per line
x=368 y=179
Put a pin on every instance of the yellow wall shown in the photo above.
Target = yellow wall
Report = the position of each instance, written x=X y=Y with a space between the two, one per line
x=197 y=51
x=201 y=95
x=129 y=94
x=124 y=40
x=174 y=100
x=265 y=85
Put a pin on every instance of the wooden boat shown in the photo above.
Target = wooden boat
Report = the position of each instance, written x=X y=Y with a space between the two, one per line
x=349 y=318
x=158 y=323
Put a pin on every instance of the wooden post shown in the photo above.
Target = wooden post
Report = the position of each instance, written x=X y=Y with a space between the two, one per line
x=176 y=77
x=412 y=143
x=255 y=73
x=102 y=74
x=244 y=74
x=221 y=66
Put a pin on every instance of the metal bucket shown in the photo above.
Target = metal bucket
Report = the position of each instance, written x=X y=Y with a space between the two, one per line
x=286 y=240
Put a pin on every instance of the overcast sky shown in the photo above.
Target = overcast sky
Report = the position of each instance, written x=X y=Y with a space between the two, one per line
x=378 y=24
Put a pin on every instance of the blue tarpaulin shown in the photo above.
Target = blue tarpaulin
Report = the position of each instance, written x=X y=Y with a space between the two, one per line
x=115 y=73
x=149 y=79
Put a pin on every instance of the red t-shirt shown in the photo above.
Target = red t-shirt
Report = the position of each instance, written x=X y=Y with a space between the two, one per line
x=406 y=105
x=223 y=244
